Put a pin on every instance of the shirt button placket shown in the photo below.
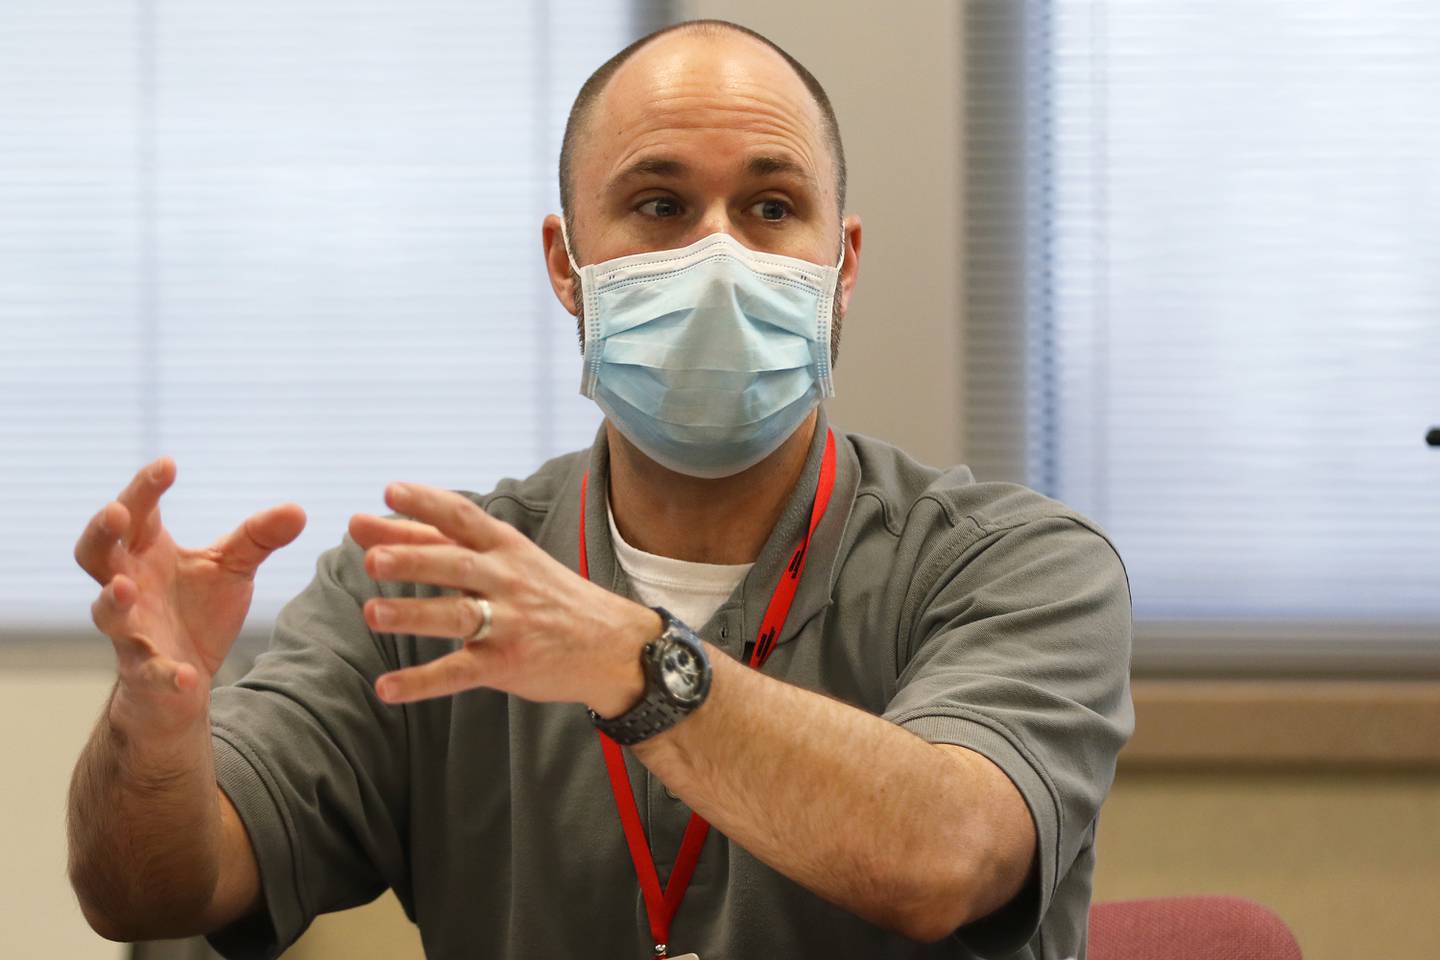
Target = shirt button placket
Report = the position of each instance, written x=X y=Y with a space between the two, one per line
x=729 y=637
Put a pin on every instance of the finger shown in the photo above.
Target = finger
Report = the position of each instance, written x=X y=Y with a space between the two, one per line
x=440 y=564
x=453 y=617
x=111 y=614
x=369 y=530
x=247 y=546
x=95 y=550
x=159 y=673
x=477 y=665
x=142 y=497
x=456 y=516
x=139 y=663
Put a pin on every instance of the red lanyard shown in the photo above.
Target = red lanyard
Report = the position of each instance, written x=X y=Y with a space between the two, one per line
x=660 y=908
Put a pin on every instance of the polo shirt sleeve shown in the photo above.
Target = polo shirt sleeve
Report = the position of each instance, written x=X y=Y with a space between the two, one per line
x=314 y=762
x=1019 y=649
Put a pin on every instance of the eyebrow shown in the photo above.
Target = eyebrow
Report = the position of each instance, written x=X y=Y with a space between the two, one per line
x=768 y=165
x=652 y=167
x=757 y=166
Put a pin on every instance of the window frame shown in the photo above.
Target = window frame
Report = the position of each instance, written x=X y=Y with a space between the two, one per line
x=1004 y=195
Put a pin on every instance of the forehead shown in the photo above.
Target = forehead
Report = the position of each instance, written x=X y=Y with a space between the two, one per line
x=722 y=96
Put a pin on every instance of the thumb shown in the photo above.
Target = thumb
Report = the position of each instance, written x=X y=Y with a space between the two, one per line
x=261 y=534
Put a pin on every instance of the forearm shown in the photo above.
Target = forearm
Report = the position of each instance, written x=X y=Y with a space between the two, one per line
x=850 y=806
x=144 y=830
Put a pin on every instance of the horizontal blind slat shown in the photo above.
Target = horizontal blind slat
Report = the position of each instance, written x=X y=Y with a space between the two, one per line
x=294 y=246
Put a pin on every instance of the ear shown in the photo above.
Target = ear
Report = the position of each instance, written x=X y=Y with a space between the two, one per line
x=557 y=264
x=850 y=269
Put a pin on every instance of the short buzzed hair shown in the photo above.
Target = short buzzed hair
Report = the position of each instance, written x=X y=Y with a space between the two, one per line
x=590 y=92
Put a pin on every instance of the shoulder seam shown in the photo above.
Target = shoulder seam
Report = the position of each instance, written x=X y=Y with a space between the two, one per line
x=1072 y=518
x=885 y=517
x=520 y=502
x=928 y=568
x=950 y=513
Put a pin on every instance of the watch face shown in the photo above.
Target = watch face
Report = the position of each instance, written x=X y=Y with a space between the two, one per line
x=681 y=672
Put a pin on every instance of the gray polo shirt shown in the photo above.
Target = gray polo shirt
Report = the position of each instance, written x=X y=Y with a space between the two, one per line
x=978 y=614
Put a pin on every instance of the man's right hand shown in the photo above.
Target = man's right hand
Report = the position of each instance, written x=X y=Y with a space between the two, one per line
x=171 y=612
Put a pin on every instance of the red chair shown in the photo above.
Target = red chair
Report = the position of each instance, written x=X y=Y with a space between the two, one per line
x=1189 y=928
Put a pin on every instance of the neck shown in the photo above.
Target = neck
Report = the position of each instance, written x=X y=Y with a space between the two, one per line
x=726 y=520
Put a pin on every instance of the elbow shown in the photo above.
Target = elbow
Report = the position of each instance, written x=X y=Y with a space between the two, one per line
x=111 y=914
x=103 y=924
x=931 y=921
x=952 y=893
x=110 y=927
x=95 y=915
x=105 y=918
x=930 y=931
x=100 y=901
x=929 y=904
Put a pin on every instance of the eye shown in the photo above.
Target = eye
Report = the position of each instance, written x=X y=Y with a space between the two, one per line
x=771 y=209
x=660 y=207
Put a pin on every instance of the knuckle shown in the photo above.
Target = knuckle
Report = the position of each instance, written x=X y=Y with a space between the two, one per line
x=507 y=534
x=127 y=671
x=402 y=561
x=153 y=672
x=456 y=671
x=100 y=613
x=507 y=659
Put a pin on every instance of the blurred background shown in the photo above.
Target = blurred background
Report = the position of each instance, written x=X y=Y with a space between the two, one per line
x=1176 y=263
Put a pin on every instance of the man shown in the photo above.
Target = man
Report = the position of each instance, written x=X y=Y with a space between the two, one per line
x=900 y=715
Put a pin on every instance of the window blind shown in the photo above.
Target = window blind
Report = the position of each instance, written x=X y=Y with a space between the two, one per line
x=294 y=246
x=1223 y=315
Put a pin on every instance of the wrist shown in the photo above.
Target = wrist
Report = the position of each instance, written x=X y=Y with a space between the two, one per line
x=624 y=678
x=155 y=729
x=676 y=672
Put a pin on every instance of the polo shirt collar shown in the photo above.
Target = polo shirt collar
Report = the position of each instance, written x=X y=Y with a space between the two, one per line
x=737 y=621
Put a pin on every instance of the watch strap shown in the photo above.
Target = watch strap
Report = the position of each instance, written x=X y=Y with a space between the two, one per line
x=655 y=712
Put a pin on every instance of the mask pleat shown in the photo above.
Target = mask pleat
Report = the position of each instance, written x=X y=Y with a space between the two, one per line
x=707 y=357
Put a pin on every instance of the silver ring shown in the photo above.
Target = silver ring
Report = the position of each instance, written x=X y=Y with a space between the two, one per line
x=486 y=615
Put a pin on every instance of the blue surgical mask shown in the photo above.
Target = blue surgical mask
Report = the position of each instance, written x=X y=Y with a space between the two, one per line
x=708 y=357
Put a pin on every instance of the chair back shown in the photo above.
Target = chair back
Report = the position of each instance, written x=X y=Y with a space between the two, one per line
x=1189 y=928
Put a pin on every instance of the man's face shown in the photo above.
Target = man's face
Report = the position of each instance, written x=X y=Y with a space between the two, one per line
x=697 y=135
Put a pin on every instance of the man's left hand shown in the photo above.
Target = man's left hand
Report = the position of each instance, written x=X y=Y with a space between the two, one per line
x=554 y=636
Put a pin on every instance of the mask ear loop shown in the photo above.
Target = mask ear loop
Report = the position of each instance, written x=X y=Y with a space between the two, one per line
x=565 y=238
x=574 y=267
x=587 y=380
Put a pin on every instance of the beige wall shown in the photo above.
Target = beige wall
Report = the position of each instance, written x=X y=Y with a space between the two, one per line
x=1350 y=859
x=45 y=718
x=892 y=73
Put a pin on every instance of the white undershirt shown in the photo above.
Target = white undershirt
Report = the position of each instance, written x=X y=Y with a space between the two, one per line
x=691 y=591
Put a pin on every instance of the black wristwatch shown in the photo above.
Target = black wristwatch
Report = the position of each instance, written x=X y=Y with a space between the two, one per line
x=677 y=678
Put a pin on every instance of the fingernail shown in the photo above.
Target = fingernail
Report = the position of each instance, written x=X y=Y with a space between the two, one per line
x=384 y=559
x=399 y=490
x=384 y=615
x=386 y=689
